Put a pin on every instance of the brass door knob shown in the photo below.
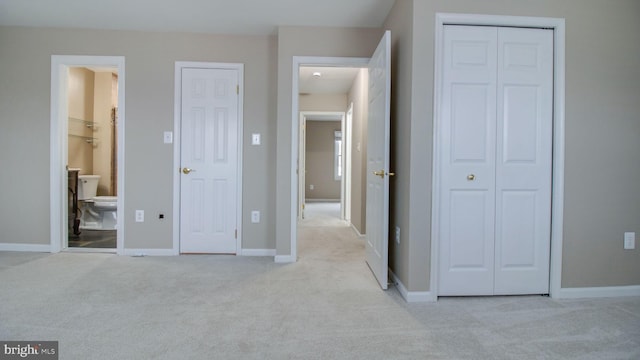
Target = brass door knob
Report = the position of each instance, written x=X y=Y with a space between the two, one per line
x=187 y=170
x=471 y=177
x=382 y=173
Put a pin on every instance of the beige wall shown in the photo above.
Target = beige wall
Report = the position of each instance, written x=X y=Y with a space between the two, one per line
x=319 y=161
x=602 y=166
x=149 y=61
x=80 y=107
x=322 y=102
x=358 y=95
x=402 y=197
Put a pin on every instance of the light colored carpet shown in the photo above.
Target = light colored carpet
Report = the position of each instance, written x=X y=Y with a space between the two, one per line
x=323 y=214
x=325 y=306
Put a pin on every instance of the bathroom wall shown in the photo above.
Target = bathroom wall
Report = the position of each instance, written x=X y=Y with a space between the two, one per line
x=91 y=97
x=114 y=144
x=103 y=131
x=81 y=93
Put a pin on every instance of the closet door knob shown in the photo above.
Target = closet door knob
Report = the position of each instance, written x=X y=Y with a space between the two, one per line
x=471 y=177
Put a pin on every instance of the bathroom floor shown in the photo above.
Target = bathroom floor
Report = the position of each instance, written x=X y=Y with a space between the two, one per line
x=97 y=239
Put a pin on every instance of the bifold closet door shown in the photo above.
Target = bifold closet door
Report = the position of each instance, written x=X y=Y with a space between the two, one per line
x=495 y=161
x=523 y=161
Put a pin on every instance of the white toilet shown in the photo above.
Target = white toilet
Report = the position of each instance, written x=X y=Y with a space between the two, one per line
x=97 y=212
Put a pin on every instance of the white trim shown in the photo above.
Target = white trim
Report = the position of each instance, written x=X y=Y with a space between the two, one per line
x=356 y=230
x=323 y=200
x=295 y=130
x=258 y=252
x=25 y=247
x=558 y=25
x=284 y=259
x=90 y=250
x=179 y=65
x=149 y=252
x=347 y=140
x=411 y=296
x=58 y=144
x=598 y=292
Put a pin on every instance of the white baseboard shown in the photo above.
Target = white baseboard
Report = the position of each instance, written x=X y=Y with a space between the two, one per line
x=322 y=200
x=150 y=252
x=283 y=259
x=597 y=292
x=25 y=247
x=356 y=230
x=411 y=296
x=258 y=252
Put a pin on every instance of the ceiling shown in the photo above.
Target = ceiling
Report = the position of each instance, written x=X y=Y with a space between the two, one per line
x=257 y=17
x=333 y=80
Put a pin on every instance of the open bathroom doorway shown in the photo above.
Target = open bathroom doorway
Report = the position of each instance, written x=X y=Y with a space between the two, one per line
x=87 y=153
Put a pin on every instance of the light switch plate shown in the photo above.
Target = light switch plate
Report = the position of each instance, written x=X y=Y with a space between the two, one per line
x=255 y=139
x=255 y=216
x=139 y=215
x=168 y=137
x=629 y=240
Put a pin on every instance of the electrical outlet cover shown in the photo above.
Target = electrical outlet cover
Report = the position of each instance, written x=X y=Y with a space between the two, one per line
x=255 y=216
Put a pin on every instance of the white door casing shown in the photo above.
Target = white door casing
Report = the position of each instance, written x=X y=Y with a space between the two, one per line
x=347 y=137
x=209 y=160
x=302 y=166
x=378 y=139
x=495 y=161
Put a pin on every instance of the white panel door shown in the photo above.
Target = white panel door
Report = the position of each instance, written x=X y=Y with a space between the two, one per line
x=209 y=160
x=523 y=160
x=377 y=208
x=467 y=161
x=495 y=146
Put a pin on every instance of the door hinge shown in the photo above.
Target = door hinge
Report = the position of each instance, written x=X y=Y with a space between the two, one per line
x=302 y=206
x=236 y=233
x=238 y=89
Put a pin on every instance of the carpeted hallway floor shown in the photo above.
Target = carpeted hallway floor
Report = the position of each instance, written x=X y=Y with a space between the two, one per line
x=325 y=306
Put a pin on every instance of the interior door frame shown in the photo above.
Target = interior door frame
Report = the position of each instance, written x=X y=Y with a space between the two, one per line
x=177 y=120
x=347 y=139
x=304 y=117
x=60 y=65
x=557 y=198
x=299 y=61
